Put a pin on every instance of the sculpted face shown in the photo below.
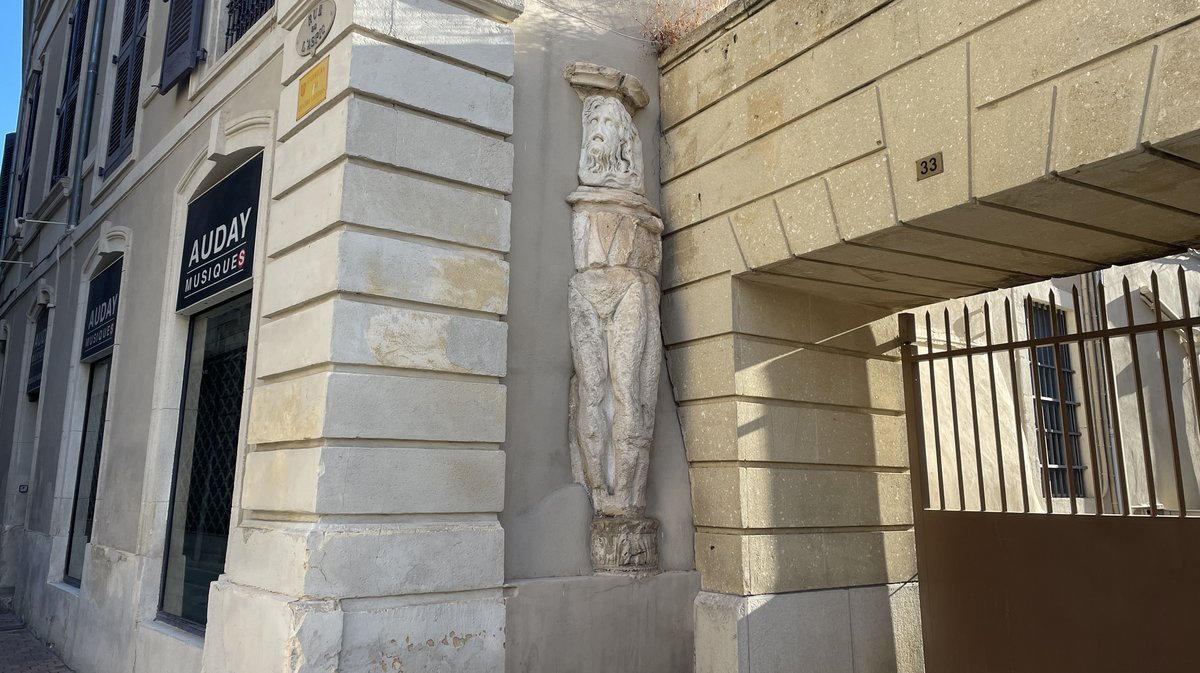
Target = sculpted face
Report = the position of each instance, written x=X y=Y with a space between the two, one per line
x=611 y=155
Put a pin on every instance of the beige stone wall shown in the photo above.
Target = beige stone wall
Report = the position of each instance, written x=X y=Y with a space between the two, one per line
x=796 y=224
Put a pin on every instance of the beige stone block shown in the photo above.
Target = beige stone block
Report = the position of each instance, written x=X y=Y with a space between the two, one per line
x=358 y=262
x=700 y=251
x=778 y=497
x=288 y=410
x=702 y=369
x=349 y=192
x=885 y=622
x=1028 y=47
x=861 y=195
x=883 y=41
x=717 y=496
x=318 y=144
x=768 y=37
x=801 y=373
x=1099 y=111
x=374 y=406
x=251 y=629
x=780 y=433
x=759 y=233
x=721 y=561
x=384 y=134
x=870 y=278
x=805 y=561
x=710 y=431
x=442 y=28
x=872 y=259
x=344 y=331
x=1010 y=141
x=777 y=312
x=464 y=634
x=876 y=297
x=698 y=310
x=806 y=212
x=1147 y=177
x=374 y=480
x=942 y=246
x=801 y=631
x=1174 y=108
x=1077 y=203
x=926 y=106
x=414 y=79
x=360 y=560
x=338 y=62
x=828 y=137
x=1017 y=229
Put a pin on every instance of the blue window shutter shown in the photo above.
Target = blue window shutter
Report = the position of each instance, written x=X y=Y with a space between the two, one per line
x=181 y=51
x=126 y=84
x=66 y=107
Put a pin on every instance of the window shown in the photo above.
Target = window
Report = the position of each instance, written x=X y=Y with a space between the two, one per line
x=126 y=82
x=202 y=497
x=70 y=93
x=34 y=96
x=6 y=173
x=37 y=355
x=89 y=468
x=1060 y=435
x=242 y=15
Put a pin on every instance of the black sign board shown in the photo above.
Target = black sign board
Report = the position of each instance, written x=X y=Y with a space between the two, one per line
x=218 y=242
x=33 y=383
x=100 y=321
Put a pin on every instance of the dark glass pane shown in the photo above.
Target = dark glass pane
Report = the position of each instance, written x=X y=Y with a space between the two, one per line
x=203 y=491
x=242 y=15
x=89 y=468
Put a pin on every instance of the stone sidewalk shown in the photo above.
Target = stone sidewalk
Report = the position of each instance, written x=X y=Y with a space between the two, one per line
x=20 y=652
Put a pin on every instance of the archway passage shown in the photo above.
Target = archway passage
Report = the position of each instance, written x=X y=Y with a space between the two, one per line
x=824 y=168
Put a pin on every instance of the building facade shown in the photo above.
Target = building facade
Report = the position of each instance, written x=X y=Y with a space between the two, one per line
x=328 y=327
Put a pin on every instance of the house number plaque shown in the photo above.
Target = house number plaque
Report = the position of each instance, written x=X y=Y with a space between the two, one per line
x=929 y=166
x=315 y=27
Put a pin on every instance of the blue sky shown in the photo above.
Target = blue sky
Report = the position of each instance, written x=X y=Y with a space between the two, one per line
x=10 y=63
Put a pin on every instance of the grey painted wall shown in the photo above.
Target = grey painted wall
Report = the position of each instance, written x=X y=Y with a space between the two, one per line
x=546 y=515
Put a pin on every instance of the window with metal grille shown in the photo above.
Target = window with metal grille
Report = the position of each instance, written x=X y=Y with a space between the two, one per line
x=1060 y=435
x=64 y=135
x=202 y=497
x=241 y=16
x=127 y=81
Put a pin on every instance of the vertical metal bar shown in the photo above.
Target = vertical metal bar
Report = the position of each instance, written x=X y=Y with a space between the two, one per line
x=974 y=411
x=962 y=500
x=1185 y=302
x=987 y=334
x=1039 y=420
x=1122 y=491
x=1168 y=393
x=914 y=413
x=937 y=428
x=1062 y=406
x=1012 y=367
x=1141 y=404
x=1087 y=402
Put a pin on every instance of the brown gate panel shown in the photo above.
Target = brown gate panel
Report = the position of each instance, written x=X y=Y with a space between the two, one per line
x=1063 y=594
x=1055 y=453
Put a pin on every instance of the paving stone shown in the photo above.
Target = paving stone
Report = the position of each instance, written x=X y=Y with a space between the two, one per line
x=21 y=652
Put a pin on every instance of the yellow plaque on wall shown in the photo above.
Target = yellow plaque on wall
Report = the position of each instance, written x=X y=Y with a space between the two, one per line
x=312 y=88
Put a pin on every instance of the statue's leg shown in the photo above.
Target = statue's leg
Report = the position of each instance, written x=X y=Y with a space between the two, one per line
x=633 y=404
x=589 y=420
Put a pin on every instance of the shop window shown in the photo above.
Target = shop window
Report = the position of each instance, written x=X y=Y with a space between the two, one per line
x=89 y=468
x=202 y=494
x=37 y=355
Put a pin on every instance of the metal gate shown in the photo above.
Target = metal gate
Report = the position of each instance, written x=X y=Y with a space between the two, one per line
x=1055 y=448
